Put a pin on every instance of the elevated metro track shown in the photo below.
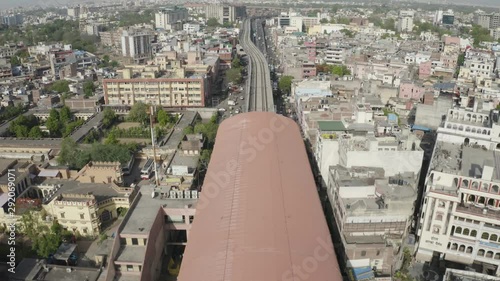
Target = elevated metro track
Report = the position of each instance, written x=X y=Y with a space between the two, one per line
x=259 y=88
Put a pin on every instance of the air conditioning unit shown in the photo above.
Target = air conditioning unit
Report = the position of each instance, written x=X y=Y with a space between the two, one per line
x=173 y=194
x=194 y=194
x=187 y=194
x=180 y=194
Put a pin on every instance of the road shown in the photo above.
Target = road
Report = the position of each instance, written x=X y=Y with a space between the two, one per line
x=260 y=89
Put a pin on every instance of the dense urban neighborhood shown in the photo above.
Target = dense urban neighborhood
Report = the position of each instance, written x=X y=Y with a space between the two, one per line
x=156 y=140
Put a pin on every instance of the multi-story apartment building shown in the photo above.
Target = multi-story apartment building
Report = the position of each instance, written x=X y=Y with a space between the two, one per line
x=460 y=215
x=490 y=21
x=7 y=51
x=136 y=44
x=478 y=65
x=182 y=89
x=224 y=13
x=405 y=21
x=171 y=19
x=373 y=214
x=13 y=19
x=111 y=38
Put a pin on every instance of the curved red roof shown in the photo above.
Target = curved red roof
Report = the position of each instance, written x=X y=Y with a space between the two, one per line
x=259 y=216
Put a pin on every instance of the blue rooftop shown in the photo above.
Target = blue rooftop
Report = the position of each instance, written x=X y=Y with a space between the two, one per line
x=392 y=117
x=363 y=273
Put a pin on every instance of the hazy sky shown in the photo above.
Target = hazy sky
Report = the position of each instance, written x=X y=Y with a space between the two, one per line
x=7 y=4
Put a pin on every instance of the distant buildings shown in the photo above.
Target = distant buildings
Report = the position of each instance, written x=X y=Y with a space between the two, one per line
x=224 y=13
x=490 y=21
x=171 y=19
x=13 y=19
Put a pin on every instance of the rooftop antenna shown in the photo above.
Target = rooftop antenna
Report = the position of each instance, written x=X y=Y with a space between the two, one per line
x=151 y=121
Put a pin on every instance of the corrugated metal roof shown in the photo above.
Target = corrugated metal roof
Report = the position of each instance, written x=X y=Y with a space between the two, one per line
x=259 y=213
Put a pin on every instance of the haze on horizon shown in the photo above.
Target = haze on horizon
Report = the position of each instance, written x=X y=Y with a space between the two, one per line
x=9 y=4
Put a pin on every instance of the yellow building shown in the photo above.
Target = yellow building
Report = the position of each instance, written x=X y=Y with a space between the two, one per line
x=177 y=88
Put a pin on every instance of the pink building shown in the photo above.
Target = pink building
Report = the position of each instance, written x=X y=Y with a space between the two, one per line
x=311 y=50
x=425 y=70
x=408 y=90
x=308 y=70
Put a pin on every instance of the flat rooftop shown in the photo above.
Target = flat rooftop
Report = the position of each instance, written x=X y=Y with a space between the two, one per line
x=131 y=253
x=144 y=213
x=101 y=191
x=466 y=160
x=32 y=269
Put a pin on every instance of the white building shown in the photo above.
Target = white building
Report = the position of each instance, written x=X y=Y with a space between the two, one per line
x=136 y=44
x=478 y=64
x=191 y=27
x=225 y=13
x=405 y=21
x=171 y=19
x=74 y=12
x=460 y=215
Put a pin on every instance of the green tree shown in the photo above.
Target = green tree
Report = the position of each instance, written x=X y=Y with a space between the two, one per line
x=35 y=133
x=461 y=59
x=111 y=139
x=323 y=21
x=227 y=24
x=236 y=63
x=188 y=130
x=109 y=118
x=53 y=123
x=65 y=115
x=285 y=84
x=88 y=88
x=212 y=22
x=344 y=21
x=22 y=131
x=15 y=61
x=139 y=113
x=340 y=70
x=480 y=34
x=347 y=33
x=115 y=64
x=60 y=86
x=234 y=75
x=163 y=117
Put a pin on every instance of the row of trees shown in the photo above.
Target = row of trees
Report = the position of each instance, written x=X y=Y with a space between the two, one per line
x=59 y=123
x=76 y=156
x=213 y=22
x=209 y=131
x=233 y=74
x=140 y=113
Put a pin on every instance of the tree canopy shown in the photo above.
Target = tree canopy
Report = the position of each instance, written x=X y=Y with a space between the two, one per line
x=75 y=156
x=139 y=113
x=60 y=86
x=212 y=22
x=88 y=88
x=480 y=34
x=234 y=75
x=285 y=84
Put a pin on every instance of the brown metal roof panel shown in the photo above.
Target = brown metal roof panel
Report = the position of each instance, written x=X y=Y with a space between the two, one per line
x=257 y=220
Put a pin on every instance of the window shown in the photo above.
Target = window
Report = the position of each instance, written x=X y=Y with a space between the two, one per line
x=135 y=241
x=130 y=268
x=363 y=253
x=82 y=216
x=485 y=235
x=62 y=215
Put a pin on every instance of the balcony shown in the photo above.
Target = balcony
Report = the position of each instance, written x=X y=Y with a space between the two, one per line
x=480 y=212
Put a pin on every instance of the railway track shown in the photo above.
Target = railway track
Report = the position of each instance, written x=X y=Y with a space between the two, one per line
x=260 y=94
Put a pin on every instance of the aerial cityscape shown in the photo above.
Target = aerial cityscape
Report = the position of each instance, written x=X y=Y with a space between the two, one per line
x=154 y=140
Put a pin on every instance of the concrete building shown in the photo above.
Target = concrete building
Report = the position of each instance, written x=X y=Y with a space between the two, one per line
x=74 y=12
x=460 y=216
x=136 y=44
x=171 y=19
x=191 y=27
x=405 y=21
x=225 y=13
x=373 y=213
x=478 y=65
x=153 y=87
